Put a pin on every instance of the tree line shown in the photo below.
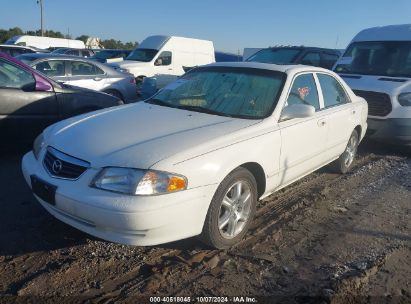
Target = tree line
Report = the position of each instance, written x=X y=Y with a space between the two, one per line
x=108 y=43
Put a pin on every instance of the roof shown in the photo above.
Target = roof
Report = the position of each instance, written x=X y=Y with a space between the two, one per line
x=399 y=32
x=289 y=68
x=301 y=47
x=52 y=56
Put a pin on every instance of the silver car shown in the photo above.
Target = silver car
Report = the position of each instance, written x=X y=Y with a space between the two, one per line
x=85 y=73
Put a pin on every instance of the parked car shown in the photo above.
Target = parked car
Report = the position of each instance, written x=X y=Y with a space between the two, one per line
x=195 y=158
x=15 y=50
x=30 y=101
x=45 y=42
x=313 y=56
x=377 y=66
x=166 y=57
x=227 y=57
x=85 y=73
x=110 y=55
x=74 y=52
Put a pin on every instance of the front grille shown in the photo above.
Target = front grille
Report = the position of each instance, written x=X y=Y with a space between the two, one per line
x=379 y=104
x=61 y=165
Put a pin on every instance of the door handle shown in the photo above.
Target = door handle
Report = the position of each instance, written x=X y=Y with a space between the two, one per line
x=353 y=112
x=321 y=123
x=97 y=79
x=170 y=69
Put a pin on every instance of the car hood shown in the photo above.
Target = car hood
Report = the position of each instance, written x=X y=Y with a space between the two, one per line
x=125 y=64
x=390 y=85
x=142 y=134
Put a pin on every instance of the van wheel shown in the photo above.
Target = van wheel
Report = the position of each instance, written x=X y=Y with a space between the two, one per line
x=345 y=161
x=231 y=210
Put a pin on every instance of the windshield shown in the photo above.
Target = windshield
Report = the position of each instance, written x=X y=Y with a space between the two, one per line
x=106 y=54
x=144 y=55
x=27 y=59
x=275 y=55
x=59 y=51
x=383 y=58
x=225 y=91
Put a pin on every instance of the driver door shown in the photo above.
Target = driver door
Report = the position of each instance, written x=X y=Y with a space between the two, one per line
x=24 y=112
x=303 y=140
x=164 y=69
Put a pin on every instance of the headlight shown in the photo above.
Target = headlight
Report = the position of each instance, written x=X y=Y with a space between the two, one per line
x=138 y=182
x=405 y=99
x=38 y=145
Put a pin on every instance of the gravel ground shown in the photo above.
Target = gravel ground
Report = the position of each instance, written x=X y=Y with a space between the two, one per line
x=327 y=238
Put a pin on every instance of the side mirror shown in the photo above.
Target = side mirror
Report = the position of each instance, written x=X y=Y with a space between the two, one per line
x=158 y=61
x=41 y=84
x=297 y=111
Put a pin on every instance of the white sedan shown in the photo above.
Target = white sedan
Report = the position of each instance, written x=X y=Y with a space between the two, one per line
x=196 y=157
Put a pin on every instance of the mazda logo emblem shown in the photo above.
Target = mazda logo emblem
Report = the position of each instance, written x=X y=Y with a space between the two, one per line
x=57 y=166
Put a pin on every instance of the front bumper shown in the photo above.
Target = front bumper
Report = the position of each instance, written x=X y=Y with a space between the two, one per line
x=125 y=219
x=390 y=130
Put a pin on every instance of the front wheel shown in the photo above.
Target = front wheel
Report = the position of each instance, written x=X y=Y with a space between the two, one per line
x=345 y=161
x=231 y=210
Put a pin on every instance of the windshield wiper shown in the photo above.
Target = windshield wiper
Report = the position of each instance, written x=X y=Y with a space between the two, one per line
x=202 y=110
x=160 y=102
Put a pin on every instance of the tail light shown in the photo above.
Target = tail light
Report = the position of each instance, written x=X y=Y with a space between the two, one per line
x=132 y=80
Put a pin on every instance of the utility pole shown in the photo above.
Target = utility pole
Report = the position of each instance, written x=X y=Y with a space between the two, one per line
x=41 y=15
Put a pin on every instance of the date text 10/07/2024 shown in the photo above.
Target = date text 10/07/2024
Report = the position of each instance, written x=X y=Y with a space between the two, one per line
x=238 y=299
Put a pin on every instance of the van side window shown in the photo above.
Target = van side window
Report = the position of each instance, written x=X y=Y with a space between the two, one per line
x=304 y=91
x=333 y=92
x=164 y=58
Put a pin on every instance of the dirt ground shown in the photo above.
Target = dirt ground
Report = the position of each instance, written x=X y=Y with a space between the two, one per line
x=328 y=238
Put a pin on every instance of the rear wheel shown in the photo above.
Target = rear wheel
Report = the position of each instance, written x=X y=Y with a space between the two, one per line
x=231 y=210
x=345 y=161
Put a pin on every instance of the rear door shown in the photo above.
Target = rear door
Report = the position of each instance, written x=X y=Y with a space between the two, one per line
x=24 y=112
x=85 y=75
x=340 y=112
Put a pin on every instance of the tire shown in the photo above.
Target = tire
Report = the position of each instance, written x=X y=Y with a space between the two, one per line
x=232 y=209
x=344 y=162
x=115 y=93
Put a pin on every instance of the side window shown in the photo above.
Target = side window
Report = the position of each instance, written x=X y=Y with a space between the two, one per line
x=328 y=60
x=311 y=58
x=164 y=58
x=85 y=53
x=80 y=68
x=51 y=68
x=73 y=52
x=333 y=92
x=304 y=91
x=14 y=77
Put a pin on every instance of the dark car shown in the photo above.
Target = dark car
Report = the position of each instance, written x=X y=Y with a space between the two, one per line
x=16 y=50
x=31 y=101
x=227 y=57
x=314 y=56
x=105 y=54
x=74 y=52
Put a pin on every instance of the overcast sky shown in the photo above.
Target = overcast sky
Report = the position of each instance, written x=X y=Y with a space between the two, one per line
x=232 y=25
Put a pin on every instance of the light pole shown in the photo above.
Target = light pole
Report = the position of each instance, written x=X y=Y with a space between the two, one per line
x=41 y=15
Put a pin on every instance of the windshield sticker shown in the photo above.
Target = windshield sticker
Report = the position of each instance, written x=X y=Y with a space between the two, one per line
x=174 y=85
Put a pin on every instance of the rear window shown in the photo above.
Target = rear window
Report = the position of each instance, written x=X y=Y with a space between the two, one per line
x=275 y=55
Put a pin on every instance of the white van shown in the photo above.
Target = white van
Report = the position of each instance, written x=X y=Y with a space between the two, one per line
x=166 y=58
x=377 y=66
x=46 y=42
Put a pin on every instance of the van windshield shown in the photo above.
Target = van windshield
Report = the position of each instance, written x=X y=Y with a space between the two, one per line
x=275 y=55
x=144 y=55
x=225 y=91
x=382 y=58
